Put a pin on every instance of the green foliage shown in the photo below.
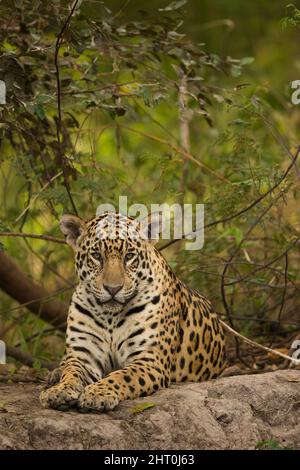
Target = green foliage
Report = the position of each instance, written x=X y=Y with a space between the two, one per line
x=271 y=444
x=293 y=17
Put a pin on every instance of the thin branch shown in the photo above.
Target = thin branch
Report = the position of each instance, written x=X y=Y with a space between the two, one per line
x=260 y=320
x=40 y=299
x=223 y=293
x=245 y=209
x=32 y=235
x=272 y=128
x=36 y=196
x=184 y=133
x=177 y=149
x=285 y=284
x=260 y=346
x=36 y=335
x=59 y=120
x=27 y=359
x=267 y=265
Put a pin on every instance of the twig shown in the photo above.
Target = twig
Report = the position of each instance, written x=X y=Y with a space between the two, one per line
x=267 y=265
x=27 y=359
x=32 y=235
x=121 y=9
x=223 y=293
x=59 y=120
x=184 y=132
x=36 y=196
x=40 y=299
x=36 y=335
x=285 y=284
x=260 y=346
x=45 y=262
x=273 y=129
x=260 y=320
x=177 y=149
x=245 y=209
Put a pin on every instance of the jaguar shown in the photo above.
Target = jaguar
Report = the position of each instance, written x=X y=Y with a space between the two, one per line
x=133 y=327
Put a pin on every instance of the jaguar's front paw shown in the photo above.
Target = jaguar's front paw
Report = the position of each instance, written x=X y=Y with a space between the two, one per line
x=61 y=396
x=54 y=376
x=95 y=398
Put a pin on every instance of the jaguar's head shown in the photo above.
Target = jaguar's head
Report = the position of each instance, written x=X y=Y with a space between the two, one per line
x=113 y=255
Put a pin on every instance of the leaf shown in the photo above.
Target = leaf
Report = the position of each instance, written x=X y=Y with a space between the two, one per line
x=6 y=46
x=247 y=60
x=146 y=97
x=238 y=122
x=42 y=98
x=141 y=407
x=174 y=5
x=3 y=408
x=236 y=70
x=78 y=167
x=235 y=233
x=39 y=111
x=37 y=364
x=4 y=227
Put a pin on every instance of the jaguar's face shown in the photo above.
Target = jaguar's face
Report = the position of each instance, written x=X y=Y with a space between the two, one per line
x=114 y=265
x=110 y=268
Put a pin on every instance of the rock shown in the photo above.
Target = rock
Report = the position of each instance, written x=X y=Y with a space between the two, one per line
x=228 y=413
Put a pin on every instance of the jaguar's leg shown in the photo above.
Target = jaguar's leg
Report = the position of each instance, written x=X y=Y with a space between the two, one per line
x=74 y=377
x=141 y=378
x=54 y=375
x=81 y=365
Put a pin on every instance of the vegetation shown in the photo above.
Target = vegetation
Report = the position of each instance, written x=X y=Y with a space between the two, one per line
x=168 y=102
x=271 y=444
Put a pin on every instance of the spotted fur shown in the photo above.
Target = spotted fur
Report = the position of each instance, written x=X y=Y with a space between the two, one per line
x=133 y=326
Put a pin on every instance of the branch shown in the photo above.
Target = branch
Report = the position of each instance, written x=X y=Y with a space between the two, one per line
x=39 y=334
x=27 y=359
x=272 y=128
x=245 y=209
x=228 y=262
x=177 y=149
x=267 y=265
x=260 y=320
x=184 y=133
x=59 y=120
x=32 y=235
x=33 y=199
x=21 y=288
x=286 y=256
x=253 y=343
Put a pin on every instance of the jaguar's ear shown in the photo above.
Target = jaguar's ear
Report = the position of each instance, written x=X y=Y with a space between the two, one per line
x=72 y=227
x=151 y=227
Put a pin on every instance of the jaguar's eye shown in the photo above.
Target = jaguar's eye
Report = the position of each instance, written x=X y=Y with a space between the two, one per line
x=128 y=257
x=97 y=256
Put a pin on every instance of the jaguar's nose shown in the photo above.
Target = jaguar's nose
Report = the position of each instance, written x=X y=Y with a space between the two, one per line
x=113 y=290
